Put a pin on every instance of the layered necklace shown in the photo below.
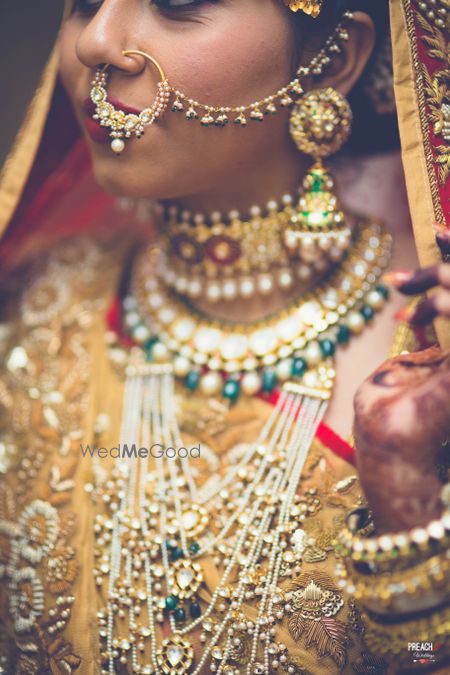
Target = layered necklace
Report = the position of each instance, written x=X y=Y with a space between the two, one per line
x=161 y=526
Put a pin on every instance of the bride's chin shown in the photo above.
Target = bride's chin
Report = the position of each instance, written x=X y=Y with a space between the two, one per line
x=120 y=178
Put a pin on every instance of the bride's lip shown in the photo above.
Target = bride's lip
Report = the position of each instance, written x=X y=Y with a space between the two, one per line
x=89 y=106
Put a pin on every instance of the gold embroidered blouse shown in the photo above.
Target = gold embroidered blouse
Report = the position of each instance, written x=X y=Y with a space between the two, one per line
x=55 y=383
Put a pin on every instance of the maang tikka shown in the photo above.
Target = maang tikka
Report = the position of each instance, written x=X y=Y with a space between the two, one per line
x=310 y=7
x=320 y=124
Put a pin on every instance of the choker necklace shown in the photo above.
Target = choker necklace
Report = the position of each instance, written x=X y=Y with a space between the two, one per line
x=157 y=527
x=229 y=358
x=223 y=258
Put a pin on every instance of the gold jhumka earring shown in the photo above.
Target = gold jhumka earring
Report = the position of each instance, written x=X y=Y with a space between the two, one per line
x=320 y=124
x=123 y=125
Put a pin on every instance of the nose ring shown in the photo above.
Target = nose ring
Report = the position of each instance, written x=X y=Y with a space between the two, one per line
x=124 y=125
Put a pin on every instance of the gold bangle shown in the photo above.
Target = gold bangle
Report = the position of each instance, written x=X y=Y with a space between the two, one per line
x=400 y=548
x=432 y=574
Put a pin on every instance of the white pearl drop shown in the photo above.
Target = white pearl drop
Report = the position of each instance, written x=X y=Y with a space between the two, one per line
x=247 y=287
x=355 y=322
x=325 y=243
x=181 y=284
x=290 y=239
x=160 y=352
x=131 y=319
x=283 y=369
x=374 y=299
x=210 y=383
x=313 y=354
x=251 y=383
x=265 y=283
x=141 y=334
x=213 y=292
x=181 y=366
x=229 y=289
x=194 y=288
x=117 y=146
x=285 y=279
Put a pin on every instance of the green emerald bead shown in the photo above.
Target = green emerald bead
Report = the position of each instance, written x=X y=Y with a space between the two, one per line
x=367 y=312
x=343 y=334
x=269 y=381
x=171 y=602
x=148 y=348
x=317 y=184
x=176 y=554
x=384 y=290
x=299 y=367
x=192 y=380
x=194 y=547
x=195 y=610
x=180 y=614
x=231 y=390
x=327 y=346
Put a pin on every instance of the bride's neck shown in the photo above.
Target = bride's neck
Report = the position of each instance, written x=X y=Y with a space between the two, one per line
x=245 y=186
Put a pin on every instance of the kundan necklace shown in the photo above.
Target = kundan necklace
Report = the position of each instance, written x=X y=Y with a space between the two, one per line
x=159 y=525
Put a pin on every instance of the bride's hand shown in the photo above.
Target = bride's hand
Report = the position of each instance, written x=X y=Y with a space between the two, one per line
x=402 y=417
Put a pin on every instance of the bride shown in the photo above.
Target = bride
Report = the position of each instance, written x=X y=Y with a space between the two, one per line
x=193 y=369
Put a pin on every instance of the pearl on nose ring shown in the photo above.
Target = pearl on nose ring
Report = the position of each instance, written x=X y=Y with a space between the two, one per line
x=125 y=125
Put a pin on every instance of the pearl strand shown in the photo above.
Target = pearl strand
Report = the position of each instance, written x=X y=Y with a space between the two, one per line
x=156 y=397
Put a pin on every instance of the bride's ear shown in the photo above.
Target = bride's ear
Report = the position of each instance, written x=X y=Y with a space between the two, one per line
x=347 y=67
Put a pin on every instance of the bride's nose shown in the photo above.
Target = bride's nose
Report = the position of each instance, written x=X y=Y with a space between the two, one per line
x=109 y=32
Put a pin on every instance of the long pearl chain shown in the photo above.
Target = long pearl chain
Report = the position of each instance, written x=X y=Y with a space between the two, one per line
x=137 y=538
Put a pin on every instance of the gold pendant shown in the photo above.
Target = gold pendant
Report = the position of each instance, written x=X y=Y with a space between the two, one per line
x=175 y=656
x=195 y=520
x=184 y=578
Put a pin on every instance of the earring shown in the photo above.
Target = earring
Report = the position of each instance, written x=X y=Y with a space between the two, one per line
x=123 y=125
x=320 y=124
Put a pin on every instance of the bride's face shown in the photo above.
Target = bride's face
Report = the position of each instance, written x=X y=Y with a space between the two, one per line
x=219 y=52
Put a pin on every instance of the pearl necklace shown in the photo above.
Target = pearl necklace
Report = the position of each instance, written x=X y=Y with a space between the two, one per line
x=158 y=526
x=224 y=257
x=220 y=356
x=154 y=543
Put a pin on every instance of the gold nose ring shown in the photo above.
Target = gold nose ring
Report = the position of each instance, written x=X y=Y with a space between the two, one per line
x=123 y=125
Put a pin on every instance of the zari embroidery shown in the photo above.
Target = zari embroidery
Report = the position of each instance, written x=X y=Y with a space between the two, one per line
x=437 y=89
x=431 y=92
x=315 y=603
x=43 y=397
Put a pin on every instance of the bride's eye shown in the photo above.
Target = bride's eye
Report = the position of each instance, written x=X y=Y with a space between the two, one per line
x=173 y=5
x=86 y=6
x=91 y=6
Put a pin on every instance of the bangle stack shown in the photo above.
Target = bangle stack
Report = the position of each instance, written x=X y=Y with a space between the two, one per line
x=395 y=576
x=395 y=549
x=384 y=589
